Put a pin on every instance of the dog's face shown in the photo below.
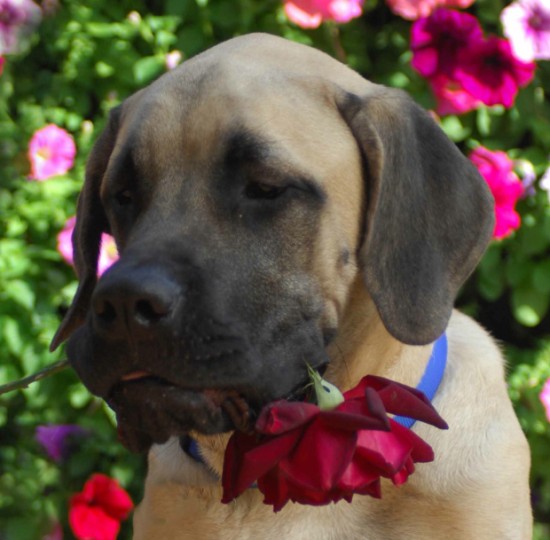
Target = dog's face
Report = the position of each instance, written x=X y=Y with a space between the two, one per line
x=246 y=195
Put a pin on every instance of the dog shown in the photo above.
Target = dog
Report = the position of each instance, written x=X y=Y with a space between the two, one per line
x=272 y=209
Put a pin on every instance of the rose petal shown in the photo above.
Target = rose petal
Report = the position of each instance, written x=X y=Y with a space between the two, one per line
x=282 y=416
x=403 y=400
x=275 y=488
x=421 y=451
x=320 y=459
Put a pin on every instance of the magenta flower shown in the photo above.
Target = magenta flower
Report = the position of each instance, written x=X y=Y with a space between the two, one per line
x=436 y=41
x=490 y=72
x=57 y=439
x=108 y=253
x=311 y=13
x=451 y=98
x=51 y=152
x=498 y=171
x=545 y=398
x=526 y=24
x=17 y=19
x=415 y=9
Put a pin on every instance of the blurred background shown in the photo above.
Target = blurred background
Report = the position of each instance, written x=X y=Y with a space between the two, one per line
x=481 y=66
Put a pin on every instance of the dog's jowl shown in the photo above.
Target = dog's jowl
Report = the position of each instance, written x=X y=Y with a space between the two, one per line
x=274 y=210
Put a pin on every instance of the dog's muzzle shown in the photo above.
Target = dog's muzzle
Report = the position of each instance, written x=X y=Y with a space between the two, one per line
x=169 y=358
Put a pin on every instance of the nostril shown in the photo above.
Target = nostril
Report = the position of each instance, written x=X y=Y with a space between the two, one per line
x=149 y=311
x=106 y=312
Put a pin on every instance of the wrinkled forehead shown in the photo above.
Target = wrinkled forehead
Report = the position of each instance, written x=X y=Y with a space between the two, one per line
x=189 y=117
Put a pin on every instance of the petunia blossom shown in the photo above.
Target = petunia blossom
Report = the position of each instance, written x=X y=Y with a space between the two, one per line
x=57 y=439
x=17 y=19
x=526 y=23
x=51 y=152
x=545 y=398
x=490 y=72
x=305 y=454
x=108 y=253
x=498 y=171
x=451 y=98
x=437 y=40
x=311 y=13
x=416 y=9
x=96 y=512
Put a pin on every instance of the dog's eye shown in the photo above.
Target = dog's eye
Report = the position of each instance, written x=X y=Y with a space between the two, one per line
x=259 y=190
x=124 y=197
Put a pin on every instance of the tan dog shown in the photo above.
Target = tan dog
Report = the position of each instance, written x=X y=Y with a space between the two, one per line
x=272 y=207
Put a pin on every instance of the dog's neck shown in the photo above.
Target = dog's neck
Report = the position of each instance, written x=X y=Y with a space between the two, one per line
x=364 y=346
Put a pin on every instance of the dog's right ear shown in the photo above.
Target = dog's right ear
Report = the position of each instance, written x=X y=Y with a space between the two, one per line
x=91 y=222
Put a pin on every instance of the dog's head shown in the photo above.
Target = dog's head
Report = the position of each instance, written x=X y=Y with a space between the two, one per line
x=247 y=191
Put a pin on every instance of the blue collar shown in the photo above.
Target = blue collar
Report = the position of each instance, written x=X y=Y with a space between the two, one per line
x=428 y=385
x=433 y=375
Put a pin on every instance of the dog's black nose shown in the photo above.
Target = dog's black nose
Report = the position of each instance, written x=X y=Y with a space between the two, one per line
x=133 y=301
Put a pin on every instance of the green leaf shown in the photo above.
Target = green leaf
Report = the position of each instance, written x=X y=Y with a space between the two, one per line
x=454 y=129
x=529 y=306
x=21 y=293
x=541 y=277
x=12 y=336
x=146 y=69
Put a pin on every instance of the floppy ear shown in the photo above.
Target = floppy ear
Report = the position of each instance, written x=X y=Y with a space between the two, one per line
x=429 y=214
x=90 y=223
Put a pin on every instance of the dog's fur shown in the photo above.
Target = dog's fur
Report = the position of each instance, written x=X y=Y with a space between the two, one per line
x=273 y=207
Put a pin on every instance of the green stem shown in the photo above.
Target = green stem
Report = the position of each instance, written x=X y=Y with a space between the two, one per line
x=26 y=381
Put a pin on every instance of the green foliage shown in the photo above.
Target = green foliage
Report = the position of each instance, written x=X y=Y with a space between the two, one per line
x=86 y=57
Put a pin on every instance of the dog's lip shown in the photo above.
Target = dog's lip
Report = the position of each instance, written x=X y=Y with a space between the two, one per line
x=229 y=402
x=136 y=375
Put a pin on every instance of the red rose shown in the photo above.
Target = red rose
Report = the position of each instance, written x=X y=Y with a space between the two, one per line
x=312 y=456
x=96 y=512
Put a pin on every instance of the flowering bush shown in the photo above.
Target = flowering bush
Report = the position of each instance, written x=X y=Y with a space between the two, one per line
x=482 y=67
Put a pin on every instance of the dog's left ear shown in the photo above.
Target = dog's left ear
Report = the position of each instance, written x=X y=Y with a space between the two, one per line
x=429 y=214
x=91 y=222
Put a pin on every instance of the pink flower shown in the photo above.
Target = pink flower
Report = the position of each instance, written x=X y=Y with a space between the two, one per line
x=311 y=13
x=51 y=152
x=437 y=40
x=108 y=253
x=545 y=398
x=491 y=73
x=96 y=512
x=172 y=59
x=545 y=183
x=451 y=98
x=527 y=25
x=415 y=9
x=498 y=171
x=307 y=454
x=17 y=19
